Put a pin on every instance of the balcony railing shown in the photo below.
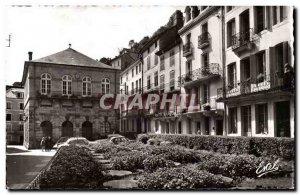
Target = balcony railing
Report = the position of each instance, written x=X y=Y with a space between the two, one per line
x=203 y=73
x=242 y=38
x=203 y=40
x=262 y=82
x=187 y=49
x=210 y=104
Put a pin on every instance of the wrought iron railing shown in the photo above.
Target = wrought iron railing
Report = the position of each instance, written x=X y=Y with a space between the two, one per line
x=187 y=49
x=212 y=69
x=203 y=105
x=203 y=39
x=242 y=38
x=262 y=82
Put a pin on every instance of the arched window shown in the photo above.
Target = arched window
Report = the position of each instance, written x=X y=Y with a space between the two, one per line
x=86 y=86
x=105 y=86
x=45 y=83
x=67 y=85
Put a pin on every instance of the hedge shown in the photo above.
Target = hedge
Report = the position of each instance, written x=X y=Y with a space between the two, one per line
x=258 y=146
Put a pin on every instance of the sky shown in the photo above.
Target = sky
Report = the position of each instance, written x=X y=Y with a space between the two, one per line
x=96 y=31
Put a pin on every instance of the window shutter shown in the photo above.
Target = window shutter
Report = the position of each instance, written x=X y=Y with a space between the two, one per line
x=272 y=65
x=253 y=74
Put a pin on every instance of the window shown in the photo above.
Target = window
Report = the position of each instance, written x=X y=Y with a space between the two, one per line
x=140 y=84
x=21 y=106
x=189 y=67
x=140 y=67
x=283 y=14
x=149 y=82
x=188 y=38
x=8 y=105
x=232 y=76
x=21 y=117
x=260 y=18
x=67 y=85
x=45 y=83
x=105 y=84
x=148 y=63
x=261 y=66
x=274 y=15
x=132 y=72
x=155 y=60
x=136 y=70
x=8 y=127
x=162 y=63
x=87 y=86
x=132 y=87
x=162 y=82
x=246 y=119
x=156 y=78
x=20 y=95
x=121 y=80
x=8 y=117
x=21 y=127
x=205 y=61
x=205 y=94
x=136 y=86
x=126 y=76
x=229 y=8
x=261 y=119
x=172 y=58
x=232 y=120
x=230 y=32
x=188 y=13
x=172 y=80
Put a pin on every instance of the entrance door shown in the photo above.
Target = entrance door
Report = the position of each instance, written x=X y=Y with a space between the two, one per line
x=67 y=129
x=87 y=130
x=283 y=128
x=206 y=124
x=246 y=121
x=219 y=127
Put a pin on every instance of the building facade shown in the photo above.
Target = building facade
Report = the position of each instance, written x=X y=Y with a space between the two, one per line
x=14 y=114
x=259 y=85
x=236 y=60
x=61 y=97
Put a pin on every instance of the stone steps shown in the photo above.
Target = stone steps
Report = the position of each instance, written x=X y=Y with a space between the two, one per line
x=121 y=184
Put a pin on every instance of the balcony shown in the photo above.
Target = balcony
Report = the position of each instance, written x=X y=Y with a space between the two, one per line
x=262 y=83
x=207 y=107
x=201 y=74
x=187 y=49
x=204 y=40
x=242 y=41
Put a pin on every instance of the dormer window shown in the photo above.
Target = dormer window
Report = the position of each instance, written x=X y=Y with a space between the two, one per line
x=188 y=14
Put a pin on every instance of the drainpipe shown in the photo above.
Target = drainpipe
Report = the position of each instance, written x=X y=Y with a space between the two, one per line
x=224 y=66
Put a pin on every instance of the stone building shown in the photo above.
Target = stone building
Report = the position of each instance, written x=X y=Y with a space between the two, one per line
x=61 y=97
x=14 y=114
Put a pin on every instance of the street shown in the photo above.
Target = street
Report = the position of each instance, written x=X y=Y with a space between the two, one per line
x=22 y=165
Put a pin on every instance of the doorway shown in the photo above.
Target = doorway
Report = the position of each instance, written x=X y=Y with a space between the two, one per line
x=282 y=111
x=87 y=130
x=219 y=127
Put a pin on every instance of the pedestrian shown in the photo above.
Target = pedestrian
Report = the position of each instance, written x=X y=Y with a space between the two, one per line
x=199 y=132
x=46 y=144
x=49 y=143
x=43 y=144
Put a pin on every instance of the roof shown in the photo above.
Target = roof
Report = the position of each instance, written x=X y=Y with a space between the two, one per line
x=73 y=58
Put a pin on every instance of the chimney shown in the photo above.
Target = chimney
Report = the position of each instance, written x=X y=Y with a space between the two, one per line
x=30 y=55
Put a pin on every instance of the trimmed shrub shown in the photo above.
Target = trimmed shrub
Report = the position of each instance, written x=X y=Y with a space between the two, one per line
x=154 y=162
x=143 y=138
x=182 y=178
x=72 y=167
x=258 y=146
x=130 y=161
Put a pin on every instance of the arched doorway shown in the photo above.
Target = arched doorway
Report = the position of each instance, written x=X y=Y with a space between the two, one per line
x=67 y=129
x=87 y=130
x=46 y=128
